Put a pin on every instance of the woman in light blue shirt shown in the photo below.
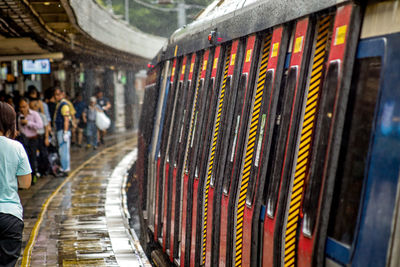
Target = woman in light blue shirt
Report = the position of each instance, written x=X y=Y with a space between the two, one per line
x=15 y=172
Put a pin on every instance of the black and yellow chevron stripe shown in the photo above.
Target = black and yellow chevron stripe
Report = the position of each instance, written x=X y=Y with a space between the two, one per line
x=189 y=140
x=250 y=147
x=302 y=163
x=214 y=144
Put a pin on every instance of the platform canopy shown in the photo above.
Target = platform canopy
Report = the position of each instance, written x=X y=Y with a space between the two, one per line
x=75 y=29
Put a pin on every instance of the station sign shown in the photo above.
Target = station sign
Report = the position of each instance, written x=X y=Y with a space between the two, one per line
x=39 y=66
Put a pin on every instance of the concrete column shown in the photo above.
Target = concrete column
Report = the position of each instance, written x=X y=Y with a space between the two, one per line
x=88 y=85
x=129 y=99
x=109 y=92
x=140 y=82
x=119 y=103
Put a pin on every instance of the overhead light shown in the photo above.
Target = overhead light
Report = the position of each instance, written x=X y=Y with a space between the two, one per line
x=46 y=3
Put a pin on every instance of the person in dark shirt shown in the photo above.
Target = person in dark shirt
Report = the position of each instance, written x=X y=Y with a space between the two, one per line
x=79 y=106
x=61 y=122
x=51 y=101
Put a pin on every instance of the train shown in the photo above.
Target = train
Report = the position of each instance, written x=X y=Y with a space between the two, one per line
x=270 y=136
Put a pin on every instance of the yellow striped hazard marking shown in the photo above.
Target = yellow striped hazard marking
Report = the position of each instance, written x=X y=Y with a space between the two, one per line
x=191 y=129
x=302 y=162
x=250 y=148
x=214 y=144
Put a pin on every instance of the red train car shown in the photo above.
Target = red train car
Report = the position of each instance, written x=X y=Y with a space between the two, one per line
x=250 y=153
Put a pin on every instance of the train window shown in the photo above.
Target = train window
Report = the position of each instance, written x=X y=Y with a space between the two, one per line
x=234 y=134
x=354 y=149
x=222 y=130
x=174 y=124
x=168 y=117
x=205 y=139
x=186 y=106
x=200 y=91
x=149 y=113
x=197 y=126
x=279 y=154
x=314 y=180
x=168 y=112
x=259 y=145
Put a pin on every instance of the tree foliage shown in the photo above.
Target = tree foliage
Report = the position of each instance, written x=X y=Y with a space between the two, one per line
x=153 y=21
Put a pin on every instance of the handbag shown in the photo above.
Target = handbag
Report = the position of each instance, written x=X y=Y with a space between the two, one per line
x=102 y=121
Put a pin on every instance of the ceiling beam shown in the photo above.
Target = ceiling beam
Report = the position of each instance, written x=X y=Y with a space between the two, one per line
x=58 y=55
x=44 y=2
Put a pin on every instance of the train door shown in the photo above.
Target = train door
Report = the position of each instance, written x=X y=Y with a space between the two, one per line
x=202 y=142
x=286 y=124
x=144 y=136
x=351 y=174
x=258 y=139
x=166 y=83
x=181 y=150
x=155 y=142
x=196 y=118
x=169 y=195
x=298 y=166
x=363 y=226
x=316 y=164
x=165 y=143
x=162 y=151
x=230 y=157
x=217 y=123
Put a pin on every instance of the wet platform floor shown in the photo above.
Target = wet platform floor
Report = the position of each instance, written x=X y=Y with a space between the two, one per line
x=75 y=229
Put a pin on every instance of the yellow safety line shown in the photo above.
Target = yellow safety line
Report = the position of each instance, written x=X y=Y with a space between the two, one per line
x=26 y=258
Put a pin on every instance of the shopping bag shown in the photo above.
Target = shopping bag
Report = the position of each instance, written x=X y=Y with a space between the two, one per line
x=102 y=121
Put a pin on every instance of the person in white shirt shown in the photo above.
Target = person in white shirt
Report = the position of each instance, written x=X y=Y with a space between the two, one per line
x=15 y=172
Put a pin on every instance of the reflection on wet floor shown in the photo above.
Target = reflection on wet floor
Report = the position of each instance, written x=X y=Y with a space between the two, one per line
x=74 y=228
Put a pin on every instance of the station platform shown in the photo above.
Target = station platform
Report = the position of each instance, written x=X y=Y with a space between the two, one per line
x=82 y=219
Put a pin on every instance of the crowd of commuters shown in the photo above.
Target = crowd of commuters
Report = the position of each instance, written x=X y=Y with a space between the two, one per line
x=48 y=124
x=35 y=140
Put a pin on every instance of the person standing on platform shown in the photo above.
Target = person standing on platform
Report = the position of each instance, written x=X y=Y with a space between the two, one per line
x=105 y=105
x=14 y=172
x=79 y=106
x=43 y=108
x=61 y=122
x=50 y=100
x=29 y=122
x=43 y=138
x=89 y=116
x=72 y=112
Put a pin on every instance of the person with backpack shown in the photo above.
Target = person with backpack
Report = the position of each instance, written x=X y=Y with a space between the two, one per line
x=62 y=124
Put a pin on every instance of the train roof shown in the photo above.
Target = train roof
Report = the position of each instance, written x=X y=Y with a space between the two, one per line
x=232 y=19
